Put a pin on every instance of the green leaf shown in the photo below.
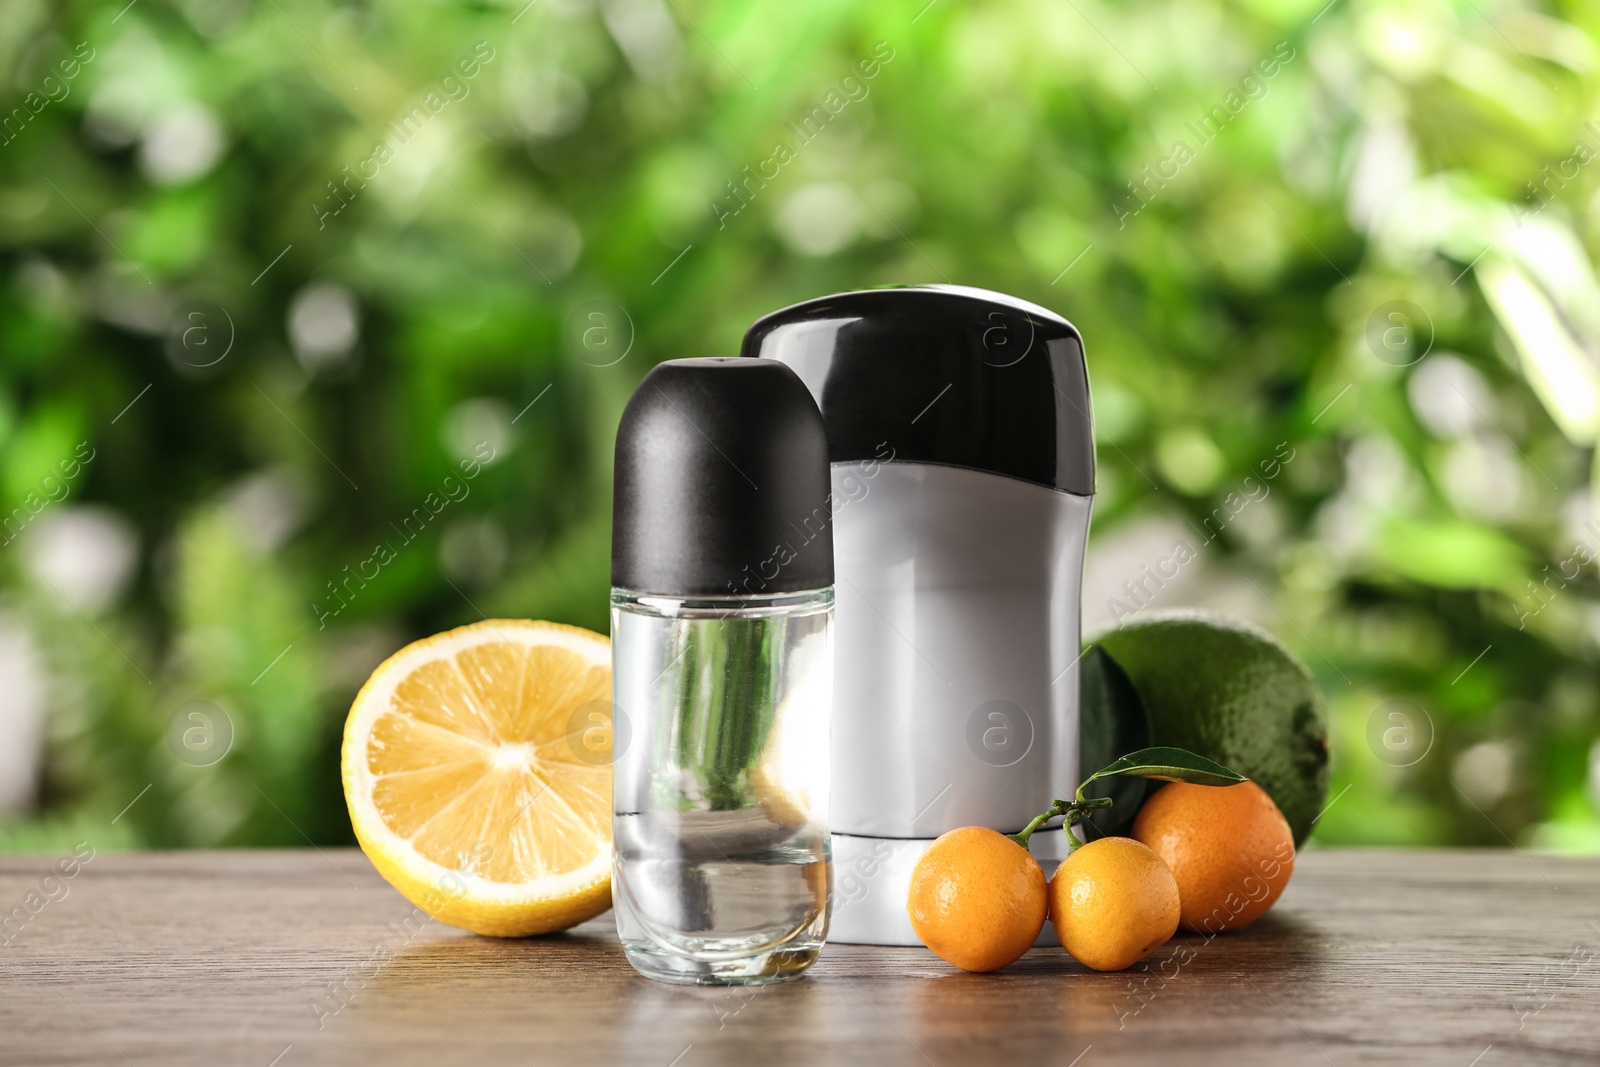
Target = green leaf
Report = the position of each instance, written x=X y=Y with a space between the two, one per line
x=1169 y=765
x=1111 y=719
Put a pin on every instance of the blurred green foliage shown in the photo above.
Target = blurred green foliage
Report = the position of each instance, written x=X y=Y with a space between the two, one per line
x=1366 y=229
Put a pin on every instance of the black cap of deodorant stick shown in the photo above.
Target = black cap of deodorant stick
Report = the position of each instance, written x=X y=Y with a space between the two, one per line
x=942 y=374
x=722 y=484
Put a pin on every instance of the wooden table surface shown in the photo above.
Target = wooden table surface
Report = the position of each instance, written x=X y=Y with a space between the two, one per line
x=276 y=959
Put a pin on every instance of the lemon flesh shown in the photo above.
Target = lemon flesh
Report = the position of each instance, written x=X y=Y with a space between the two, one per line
x=477 y=771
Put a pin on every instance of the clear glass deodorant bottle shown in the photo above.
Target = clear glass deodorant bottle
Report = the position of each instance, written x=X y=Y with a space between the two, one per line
x=721 y=630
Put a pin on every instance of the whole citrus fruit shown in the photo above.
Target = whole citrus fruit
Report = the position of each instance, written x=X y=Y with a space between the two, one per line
x=1229 y=848
x=1113 y=902
x=1230 y=692
x=977 y=899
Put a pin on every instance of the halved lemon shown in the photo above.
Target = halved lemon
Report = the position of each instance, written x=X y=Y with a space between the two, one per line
x=477 y=770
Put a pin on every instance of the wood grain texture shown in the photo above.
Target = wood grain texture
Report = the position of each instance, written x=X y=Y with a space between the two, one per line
x=278 y=959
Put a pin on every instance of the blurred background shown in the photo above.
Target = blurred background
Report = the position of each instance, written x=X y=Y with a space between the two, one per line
x=317 y=319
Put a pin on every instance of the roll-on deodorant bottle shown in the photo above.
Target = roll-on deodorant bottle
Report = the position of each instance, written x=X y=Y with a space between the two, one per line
x=721 y=628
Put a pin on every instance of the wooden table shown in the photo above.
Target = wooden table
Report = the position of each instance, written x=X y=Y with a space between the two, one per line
x=276 y=959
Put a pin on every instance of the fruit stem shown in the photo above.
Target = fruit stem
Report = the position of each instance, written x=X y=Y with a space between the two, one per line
x=1074 y=810
x=1059 y=807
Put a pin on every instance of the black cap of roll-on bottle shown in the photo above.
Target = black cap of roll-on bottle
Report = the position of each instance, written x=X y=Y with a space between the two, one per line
x=722 y=484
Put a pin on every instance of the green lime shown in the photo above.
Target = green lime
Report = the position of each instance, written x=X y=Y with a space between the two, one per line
x=1230 y=692
x=1111 y=723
